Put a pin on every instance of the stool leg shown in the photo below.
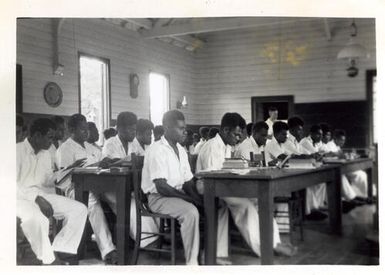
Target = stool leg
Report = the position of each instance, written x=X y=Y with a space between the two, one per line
x=160 y=239
x=173 y=242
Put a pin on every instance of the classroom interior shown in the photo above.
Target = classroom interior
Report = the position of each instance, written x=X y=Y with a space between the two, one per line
x=205 y=67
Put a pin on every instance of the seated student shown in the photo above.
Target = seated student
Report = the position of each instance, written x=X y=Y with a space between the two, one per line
x=168 y=183
x=204 y=133
x=212 y=132
x=73 y=149
x=255 y=143
x=93 y=136
x=109 y=133
x=244 y=210
x=295 y=135
x=195 y=139
x=315 y=195
x=19 y=128
x=128 y=126
x=358 y=180
x=249 y=129
x=60 y=133
x=275 y=150
x=188 y=142
x=37 y=201
x=158 y=132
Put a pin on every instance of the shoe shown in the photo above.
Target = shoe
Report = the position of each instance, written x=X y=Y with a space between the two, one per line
x=348 y=206
x=285 y=249
x=111 y=258
x=359 y=201
x=224 y=261
x=66 y=258
x=316 y=215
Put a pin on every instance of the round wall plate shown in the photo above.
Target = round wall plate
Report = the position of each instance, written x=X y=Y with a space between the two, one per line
x=53 y=95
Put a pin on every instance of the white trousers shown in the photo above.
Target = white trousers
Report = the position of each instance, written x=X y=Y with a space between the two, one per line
x=315 y=197
x=347 y=190
x=98 y=223
x=359 y=183
x=188 y=217
x=35 y=226
x=148 y=224
x=245 y=214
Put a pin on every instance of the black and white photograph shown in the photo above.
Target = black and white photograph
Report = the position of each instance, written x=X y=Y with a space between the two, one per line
x=195 y=138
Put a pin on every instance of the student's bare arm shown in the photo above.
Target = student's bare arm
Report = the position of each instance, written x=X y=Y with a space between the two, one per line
x=167 y=191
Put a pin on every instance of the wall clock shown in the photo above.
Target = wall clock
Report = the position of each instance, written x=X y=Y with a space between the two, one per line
x=134 y=83
x=53 y=95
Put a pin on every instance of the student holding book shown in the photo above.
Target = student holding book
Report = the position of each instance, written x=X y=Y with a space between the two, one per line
x=75 y=148
x=37 y=200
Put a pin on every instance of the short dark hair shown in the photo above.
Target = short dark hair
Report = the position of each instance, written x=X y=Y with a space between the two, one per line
x=189 y=132
x=315 y=128
x=339 y=133
x=19 y=120
x=232 y=120
x=110 y=132
x=294 y=122
x=74 y=121
x=203 y=131
x=171 y=117
x=249 y=128
x=325 y=127
x=213 y=132
x=58 y=120
x=259 y=126
x=42 y=126
x=272 y=109
x=143 y=125
x=91 y=125
x=125 y=119
x=278 y=126
x=158 y=130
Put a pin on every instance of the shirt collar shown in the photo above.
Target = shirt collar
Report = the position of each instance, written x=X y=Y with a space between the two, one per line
x=28 y=146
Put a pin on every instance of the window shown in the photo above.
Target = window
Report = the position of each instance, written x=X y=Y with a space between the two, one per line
x=95 y=91
x=159 y=97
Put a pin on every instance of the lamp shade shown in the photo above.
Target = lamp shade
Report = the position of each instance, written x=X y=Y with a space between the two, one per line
x=352 y=50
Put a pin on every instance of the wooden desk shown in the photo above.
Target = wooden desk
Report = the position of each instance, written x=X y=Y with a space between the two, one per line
x=265 y=184
x=365 y=164
x=119 y=182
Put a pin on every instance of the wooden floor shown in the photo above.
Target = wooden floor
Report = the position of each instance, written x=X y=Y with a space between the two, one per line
x=318 y=247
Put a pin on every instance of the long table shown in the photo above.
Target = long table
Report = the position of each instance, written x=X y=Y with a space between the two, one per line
x=121 y=184
x=265 y=184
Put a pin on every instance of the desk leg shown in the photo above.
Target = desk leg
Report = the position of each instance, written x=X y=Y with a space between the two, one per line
x=334 y=203
x=369 y=172
x=81 y=195
x=123 y=201
x=211 y=220
x=265 y=210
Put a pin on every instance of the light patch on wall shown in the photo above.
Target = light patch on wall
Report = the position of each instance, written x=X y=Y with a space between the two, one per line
x=294 y=53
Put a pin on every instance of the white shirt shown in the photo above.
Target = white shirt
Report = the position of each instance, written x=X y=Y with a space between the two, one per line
x=331 y=146
x=199 y=145
x=213 y=154
x=308 y=144
x=34 y=172
x=247 y=146
x=273 y=149
x=113 y=148
x=161 y=162
x=71 y=151
x=270 y=123
x=294 y=147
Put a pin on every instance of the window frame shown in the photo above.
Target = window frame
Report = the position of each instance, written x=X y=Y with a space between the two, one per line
x=107 y=62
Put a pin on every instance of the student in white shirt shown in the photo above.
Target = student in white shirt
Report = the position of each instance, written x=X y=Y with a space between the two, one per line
x=37 y=200
x=76 y=148
x=255 y=143
x=273 y=116
x=204 y=133
x=93 y=136
x=275 y=150
x=358 y=180
x=244 y=210
x=139 y=144
x=292 y=144
x=60 y=133
x=167 y=180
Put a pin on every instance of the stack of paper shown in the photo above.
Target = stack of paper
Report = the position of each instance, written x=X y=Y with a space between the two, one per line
x=301 y=163
x=235 y=164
